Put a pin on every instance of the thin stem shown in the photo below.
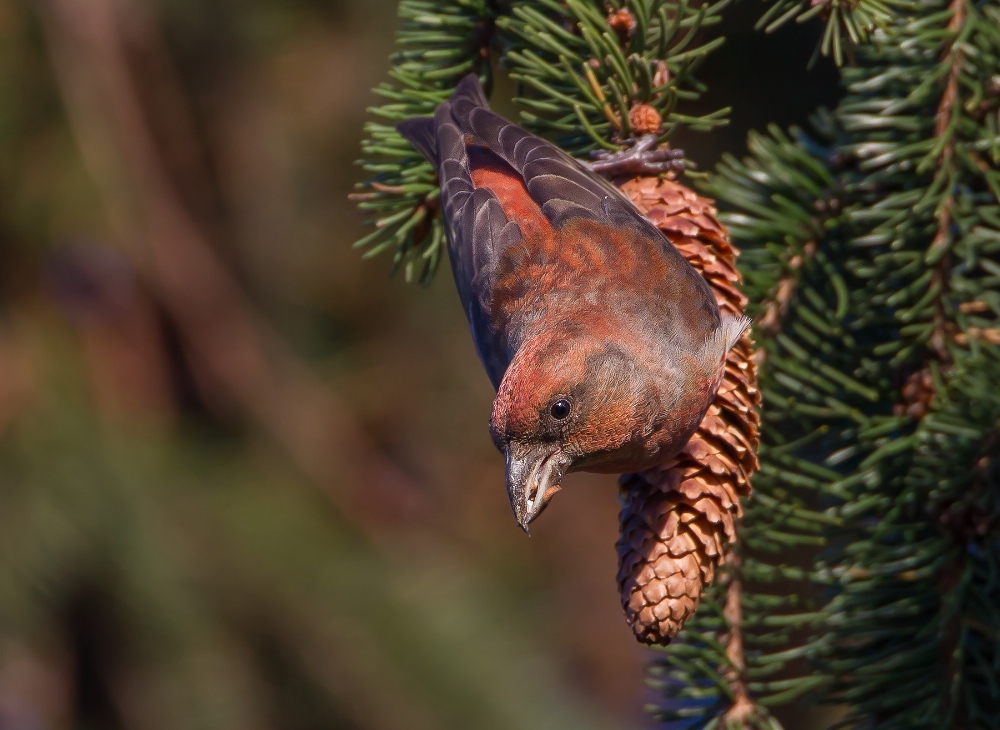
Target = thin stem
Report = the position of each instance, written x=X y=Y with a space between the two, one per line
x=743 y=708
x=944 y=129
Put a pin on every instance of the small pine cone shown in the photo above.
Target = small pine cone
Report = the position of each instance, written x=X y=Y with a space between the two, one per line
x=644 y=119
x=678 y=519
x=623 y=23
x=917 y=394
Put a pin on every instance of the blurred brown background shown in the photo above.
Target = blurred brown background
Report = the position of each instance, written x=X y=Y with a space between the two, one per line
x=245 y=478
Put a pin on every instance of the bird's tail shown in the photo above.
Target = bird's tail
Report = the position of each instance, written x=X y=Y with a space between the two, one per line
x=468 y=95
x=421 y=132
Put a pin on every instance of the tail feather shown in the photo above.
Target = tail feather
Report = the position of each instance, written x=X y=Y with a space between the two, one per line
x=421 y=133
x=468 y=96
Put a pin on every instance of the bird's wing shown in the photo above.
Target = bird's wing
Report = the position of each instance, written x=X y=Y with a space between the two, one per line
x=555 y=181
x=478 y=228
x=501 y=185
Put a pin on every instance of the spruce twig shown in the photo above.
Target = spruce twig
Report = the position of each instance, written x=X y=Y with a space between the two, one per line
x=871 y=335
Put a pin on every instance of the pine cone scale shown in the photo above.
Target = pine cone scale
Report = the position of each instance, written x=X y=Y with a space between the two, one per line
x=678 y=520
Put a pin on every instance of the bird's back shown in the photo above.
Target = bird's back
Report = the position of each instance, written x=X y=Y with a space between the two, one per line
x=536 y=239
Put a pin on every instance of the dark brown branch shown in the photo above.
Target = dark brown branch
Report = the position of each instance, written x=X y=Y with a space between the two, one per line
x=917 y=392
x=742 y=709
x=943 y=122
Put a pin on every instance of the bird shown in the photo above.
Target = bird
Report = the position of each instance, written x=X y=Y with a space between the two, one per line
x=605 y=346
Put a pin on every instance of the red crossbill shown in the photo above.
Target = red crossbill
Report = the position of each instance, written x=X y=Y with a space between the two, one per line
x=605 y=346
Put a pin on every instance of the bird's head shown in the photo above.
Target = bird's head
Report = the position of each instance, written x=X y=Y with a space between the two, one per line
x=564 y=406
x=585 y=403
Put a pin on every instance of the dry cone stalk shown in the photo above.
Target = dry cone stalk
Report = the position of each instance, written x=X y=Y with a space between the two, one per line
x=678 y=519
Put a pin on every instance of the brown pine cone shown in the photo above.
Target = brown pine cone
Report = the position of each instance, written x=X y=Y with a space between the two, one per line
x=623 y=23
x=644 y=119
x=678 y=519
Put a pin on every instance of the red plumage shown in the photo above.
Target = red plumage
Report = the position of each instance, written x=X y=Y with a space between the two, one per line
x=605 y=346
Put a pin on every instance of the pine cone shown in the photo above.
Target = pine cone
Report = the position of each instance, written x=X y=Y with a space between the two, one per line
x=677 y=519
x=644 y=119
x=623 y=23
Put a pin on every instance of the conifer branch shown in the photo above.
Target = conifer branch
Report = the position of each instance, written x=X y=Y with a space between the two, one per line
x=904 y=260
x=583 y=72
x=439 y=42
x=849 y=23
x=944 y=123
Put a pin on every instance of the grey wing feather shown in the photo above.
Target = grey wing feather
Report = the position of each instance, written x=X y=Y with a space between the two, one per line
x=477 y=228
x=421 y=133
x=489 y=233
x=553 y=178
x=549 y=173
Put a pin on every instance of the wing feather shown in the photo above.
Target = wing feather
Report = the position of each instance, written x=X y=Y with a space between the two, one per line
x=478 y=229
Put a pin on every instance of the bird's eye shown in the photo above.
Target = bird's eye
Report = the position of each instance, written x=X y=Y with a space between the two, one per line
x=560 y=409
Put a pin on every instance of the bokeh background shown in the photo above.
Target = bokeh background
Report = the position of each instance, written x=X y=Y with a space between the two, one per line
x=245 y=477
